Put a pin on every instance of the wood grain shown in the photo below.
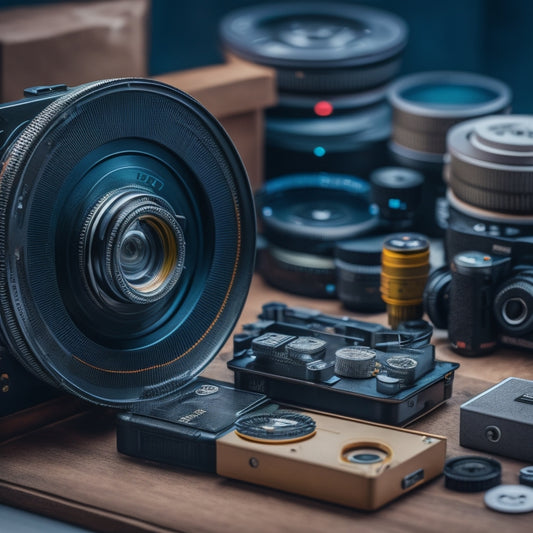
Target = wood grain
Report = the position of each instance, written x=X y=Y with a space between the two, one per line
x=72 y=471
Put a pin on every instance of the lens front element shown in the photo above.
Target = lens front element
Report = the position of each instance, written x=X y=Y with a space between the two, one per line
x=132 y=247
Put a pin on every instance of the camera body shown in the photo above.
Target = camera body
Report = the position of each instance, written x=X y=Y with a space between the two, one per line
x=213 y=427
x=15 y=115
x=484 y=299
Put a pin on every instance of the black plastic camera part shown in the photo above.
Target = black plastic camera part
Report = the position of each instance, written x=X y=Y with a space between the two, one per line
x=127 y=234
x=318 y=47
x=393 y=378
x=182 y=430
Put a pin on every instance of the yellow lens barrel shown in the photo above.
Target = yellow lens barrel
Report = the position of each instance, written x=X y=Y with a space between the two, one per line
x=404 y=273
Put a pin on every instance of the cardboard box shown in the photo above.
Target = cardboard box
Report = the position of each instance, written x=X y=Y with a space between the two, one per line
x=71 y=43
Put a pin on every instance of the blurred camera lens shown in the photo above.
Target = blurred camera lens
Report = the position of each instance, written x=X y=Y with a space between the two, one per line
x=318 y=47
x=513 y=305
x=404 y=273
x=425 y=105
x=309 y=213
x=352 y=142
x=332 y=64
x=473 y=228
x=397 y=192
x=358 y=267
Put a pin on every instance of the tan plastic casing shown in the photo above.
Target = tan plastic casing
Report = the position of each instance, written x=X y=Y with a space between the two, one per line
x=315 y=467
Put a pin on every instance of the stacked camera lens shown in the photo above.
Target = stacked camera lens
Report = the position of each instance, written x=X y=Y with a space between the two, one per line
x=425 y=105
x=323 y=232
x=333 y=62
x=485 y=300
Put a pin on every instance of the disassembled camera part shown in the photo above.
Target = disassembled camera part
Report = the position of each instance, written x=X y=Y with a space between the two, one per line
x=500 y=420
x=353 y=368
x=525 y=476
x=425 y=105
x=511 y=499
x=359 y=465
x=471 y=473
x=404 y=273
x=211 y=426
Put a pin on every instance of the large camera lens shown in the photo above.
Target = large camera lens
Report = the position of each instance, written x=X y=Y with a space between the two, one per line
x=127 y=235
x=332 y=64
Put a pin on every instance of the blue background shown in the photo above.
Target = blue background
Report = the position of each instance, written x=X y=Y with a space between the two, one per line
x=493 y=37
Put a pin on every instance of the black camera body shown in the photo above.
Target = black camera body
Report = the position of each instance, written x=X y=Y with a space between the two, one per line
x=344 y=366
x=15 y=115
x=485 y=298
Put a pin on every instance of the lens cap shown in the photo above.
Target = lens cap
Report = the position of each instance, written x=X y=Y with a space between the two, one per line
x=334 y=47
x=511 y=499
x=471 y=473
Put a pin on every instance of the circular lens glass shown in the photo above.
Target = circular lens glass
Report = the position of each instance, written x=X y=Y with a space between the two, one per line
x=435 y=94
x=366 y=453
x=514 y=311
x=365 y=458
x=132 y=248
x=138 y=253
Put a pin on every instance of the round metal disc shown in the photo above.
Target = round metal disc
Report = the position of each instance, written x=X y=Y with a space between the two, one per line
x=510 y=499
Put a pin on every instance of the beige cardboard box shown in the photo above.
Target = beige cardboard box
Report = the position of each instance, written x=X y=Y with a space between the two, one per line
x=71 y=43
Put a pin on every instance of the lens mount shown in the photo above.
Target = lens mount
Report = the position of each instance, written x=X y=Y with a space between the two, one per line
x=98 y=195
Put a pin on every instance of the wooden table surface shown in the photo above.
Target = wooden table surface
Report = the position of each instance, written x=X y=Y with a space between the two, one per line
x=71 y=470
